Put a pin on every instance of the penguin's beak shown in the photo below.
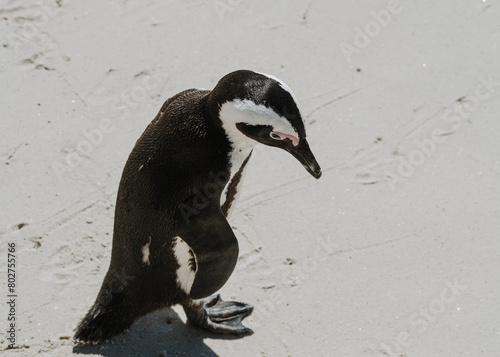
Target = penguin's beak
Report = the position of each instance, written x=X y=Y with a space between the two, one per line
x=303 y=153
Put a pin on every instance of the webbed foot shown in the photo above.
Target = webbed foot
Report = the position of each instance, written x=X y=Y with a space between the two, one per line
x=219 y=316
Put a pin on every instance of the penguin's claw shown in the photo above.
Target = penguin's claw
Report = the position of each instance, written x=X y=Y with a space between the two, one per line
x=221 y=317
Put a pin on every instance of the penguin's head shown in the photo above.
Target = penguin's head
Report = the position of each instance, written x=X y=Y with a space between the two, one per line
x=256 y=107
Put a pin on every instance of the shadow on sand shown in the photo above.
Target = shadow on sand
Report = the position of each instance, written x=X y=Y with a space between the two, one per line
x=159 y=334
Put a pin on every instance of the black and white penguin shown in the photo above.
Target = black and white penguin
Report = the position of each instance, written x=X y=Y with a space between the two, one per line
x=172 y=243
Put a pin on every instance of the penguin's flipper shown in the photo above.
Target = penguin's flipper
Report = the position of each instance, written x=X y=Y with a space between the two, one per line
x=218 y=316
x=215 y=248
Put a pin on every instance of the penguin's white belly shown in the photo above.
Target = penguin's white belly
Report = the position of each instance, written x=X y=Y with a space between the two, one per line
x=237 y=160
x=187 y=267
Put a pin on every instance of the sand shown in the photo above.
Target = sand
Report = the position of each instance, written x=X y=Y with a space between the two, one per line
x=393 y=252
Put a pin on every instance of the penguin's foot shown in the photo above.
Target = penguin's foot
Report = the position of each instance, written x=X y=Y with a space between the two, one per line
x=219 y=316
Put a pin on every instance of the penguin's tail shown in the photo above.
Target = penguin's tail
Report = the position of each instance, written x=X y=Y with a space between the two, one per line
x=108 y=317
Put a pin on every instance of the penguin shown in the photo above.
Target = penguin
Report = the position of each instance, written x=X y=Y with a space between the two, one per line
x=172 y=243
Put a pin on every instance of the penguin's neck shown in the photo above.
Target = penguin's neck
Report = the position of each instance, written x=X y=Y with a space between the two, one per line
x=241 y=149
x=240 y=143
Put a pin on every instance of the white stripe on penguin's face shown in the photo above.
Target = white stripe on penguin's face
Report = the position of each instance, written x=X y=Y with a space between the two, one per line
x=185 y=273
x=246 y=111
x=285 y=88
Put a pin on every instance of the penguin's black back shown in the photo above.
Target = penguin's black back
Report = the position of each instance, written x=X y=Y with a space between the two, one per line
x=174 y=160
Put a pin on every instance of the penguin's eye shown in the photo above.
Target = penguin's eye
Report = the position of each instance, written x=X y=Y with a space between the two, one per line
x=275 y=135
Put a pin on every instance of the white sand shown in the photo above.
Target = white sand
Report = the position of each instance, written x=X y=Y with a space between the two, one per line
x=359 y=263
